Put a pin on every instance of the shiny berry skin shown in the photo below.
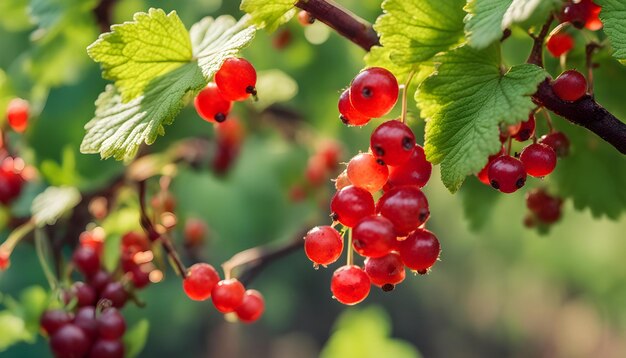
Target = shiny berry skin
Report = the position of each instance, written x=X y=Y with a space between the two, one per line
x=393 y=142
x=86 y=320
x=70 y=342
x=236 y=79
x=559 y=44
x=386 y=271
x=116 y=293
x=99 y=280
x=323 y=245
x=107 y=348
x=305 y=18
x=406 y=207
x=200 y=280
x=85 y=294
x=558 y=142
x=252 y=307
x=347 y=114
x=374 y=92
x=373 y=236
x=415 y=171
x=11 y=182
x=585 y=13
x=539 y=159
x=420 y=250
x=227 y=295
x=526 y=130
x=570 y=86
x=483 y=174
x=507 y=174
x=351 y=204
x=86 y=260
x=211 y=105
x=365 y=171
x=350 y=285
x=17 y=114
x=111 y=324
x=52 y=320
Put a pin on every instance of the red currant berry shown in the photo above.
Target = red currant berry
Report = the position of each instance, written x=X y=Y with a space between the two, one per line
x=348 y=115
x=252 y=307
x=70 y=341
x=575 y=13
x=593 y=20
x=483 y=174
x=5 y=260
x=420 y=250
x=140 y=275
x=365 y=171
x=570 y=86
x=85 y=294
x=195 y=232
x=342 y=180
x=539 y=160
x=86 y=320
x=236 y=79
x=330 y=152
x=106 y=348
x=99 y=280
x=350 y=285
x=17 y=114
x=52 y=320
x=115 y=293
x=315 y=172
x=415 y=171
x=406 y=207
x=393 y=142
x=373 y=236
x=323 y=245
x=536 y=198
x=86 y=260
x=558 y=142
x=111 y=324
x=282 y=39
x=93 y=239
x=507 y=174
x=386 y=271
x=305 y=18
x=559 y=44
x=374 y=92
x=228 y=295
x=544 y=206
x=200 y=280
x=211 y=105
x=351 y=204
x=11 y=181
x=526 y=130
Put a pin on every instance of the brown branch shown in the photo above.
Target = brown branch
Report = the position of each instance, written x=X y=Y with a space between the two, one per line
x=536 y=54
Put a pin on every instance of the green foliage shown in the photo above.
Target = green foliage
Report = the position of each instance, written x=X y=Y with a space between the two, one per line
x=20 y=320
x=53 y=203
x=14 y=14
x=613 y=16
x=465 y=101
x=275 y=86
x=135 y=338
x=269 y=14
x=365 y=333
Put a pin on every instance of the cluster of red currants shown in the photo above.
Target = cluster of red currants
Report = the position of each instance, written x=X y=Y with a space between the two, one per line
x=389 y=233
x=234 y=81
x=228 y=296
x=581 y=14
x=545 y=209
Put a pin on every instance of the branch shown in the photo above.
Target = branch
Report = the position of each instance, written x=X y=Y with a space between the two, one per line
x=103 y=14
x=585 y=112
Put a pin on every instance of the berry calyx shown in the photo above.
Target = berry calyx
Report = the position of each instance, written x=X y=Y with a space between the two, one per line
x=252 y=307
x=227 y=295
x=415 y=171
x=200 y=280
x=70 y=342
x=526 y=129
x=351 y=204
x=323 y=245
x=507 y=174
x=558 y=141
x=559 y=44
x=373 y=236
x=406 y=207
x=350 y=284
x=392 y=142
x=236 y=79
x=570 y=86
x=365 y=171
x=211 y=104
x=17 y=114
x=420 y=250
x=347 y=114
x=386 y=271
x=539 y=159
x=374 y=92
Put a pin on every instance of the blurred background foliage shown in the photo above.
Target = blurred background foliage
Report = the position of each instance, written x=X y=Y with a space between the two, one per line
x=500 y=290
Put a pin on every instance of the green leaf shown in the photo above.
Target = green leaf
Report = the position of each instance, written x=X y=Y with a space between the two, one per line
x=613 y=16
x=269 y=14
x=12 y=330
x=135 y=338
x=215 y=40
x=487 y=19
x=478 y=202
x=53 y=203
x=63 y=174
x=118 y=128
x=14 y=15
x=465 y=101
x=53 y=14
x=34 y=301
x=135 y=53
x=274 y=86
x=413 y=31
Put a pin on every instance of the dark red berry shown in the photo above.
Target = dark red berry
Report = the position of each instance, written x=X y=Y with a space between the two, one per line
x=227 y=295
x=85 y=294
x=373 y=236
x=305 y=18
x=545 y=207
x=483 y=174
x=392 y=142
x=99 y=281
x=17 y=114
x=323 y=245
x=558 y=142
x=406 y=207
x=559 y=44
x=366 y=172
x=351 y=204
x=348 y=115
x=236 y=79
x=507 y=174
x=52 y=320
x=570 y=86
x=86 y=320
x=374 y=92
x=106 y=348
x=111 y=324
x=11 y=181
x=115 y=293
x=70 y=342
x=420 y=250
x=252 y=307
x=526 y=130
x=200 y=280
x=211 y=105
x=539 y=159
x=386 y=270
x=415 y=171
x=350 y=285
x=86 y=260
